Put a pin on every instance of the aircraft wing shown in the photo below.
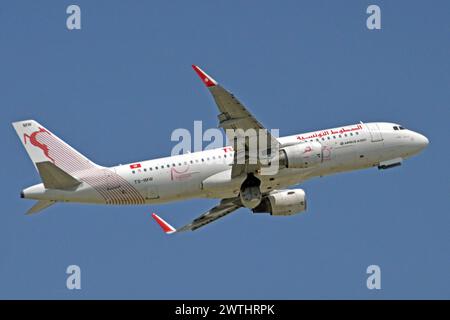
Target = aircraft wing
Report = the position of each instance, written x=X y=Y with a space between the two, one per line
x=226 y=206
x=233 y=115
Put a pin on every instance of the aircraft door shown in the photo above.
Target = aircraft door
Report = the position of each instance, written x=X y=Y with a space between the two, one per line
x=375 y=133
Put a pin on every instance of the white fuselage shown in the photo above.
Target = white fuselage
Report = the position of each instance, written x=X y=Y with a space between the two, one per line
x=207 y=174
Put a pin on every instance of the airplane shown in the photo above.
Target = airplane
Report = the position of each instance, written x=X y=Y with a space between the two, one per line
x=68 y=176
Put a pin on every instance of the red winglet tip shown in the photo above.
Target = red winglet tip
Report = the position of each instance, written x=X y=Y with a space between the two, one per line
x=207 y=80
x=167 y=228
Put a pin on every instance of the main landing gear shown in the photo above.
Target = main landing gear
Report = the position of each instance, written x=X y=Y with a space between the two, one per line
x=250 y=193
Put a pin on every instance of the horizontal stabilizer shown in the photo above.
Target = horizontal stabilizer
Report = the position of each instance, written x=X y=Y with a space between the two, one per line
x=40 y=205
x=54 y=177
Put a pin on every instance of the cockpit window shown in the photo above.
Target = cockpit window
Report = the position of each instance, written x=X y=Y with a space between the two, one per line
x=395 y=128
x=401 y=128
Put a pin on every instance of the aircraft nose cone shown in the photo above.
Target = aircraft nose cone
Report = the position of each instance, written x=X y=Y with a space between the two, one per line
x=422 y=141
x=418 y=142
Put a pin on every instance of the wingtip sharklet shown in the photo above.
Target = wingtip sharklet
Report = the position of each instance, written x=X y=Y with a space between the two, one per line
x=166 y=227
x=206 y=79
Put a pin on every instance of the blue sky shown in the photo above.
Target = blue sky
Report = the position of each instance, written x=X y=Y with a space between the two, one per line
x=117 y=88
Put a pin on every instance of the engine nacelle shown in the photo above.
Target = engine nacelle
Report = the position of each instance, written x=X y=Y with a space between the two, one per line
x=302 y=155
x=283 y=203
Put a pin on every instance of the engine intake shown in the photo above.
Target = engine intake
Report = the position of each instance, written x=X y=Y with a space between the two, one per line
x=283 y=203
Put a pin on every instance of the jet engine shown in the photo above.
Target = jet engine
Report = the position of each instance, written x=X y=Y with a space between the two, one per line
x=302 y=155
x=282 y=203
